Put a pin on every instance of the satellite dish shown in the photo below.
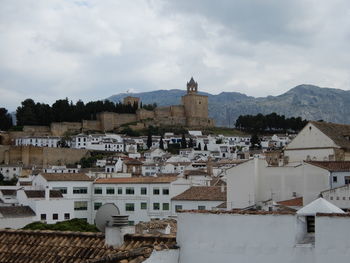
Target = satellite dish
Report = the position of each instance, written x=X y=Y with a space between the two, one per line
x=104 y=215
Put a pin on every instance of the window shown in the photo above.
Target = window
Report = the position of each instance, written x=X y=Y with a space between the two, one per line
x=143 y=190
x=335 y=179
x=66 y=216
x=343 y=197
x=131 y=223
x=310 y=221
x=62 y=189
x=156 y=206
x=156 y=191
x=201 y=207
x=129 y=207
x=166 y=206
x=80 y=205
x=165 y=191
x=98 y=191
x=110 y=190
x=331 y=197
x=347 y=179
x=97 y=205
x=337 y=197
x=120 y=191
x=178 y=207
x=143 y=206
x=54 y=216
x=79 y=190
x=129 y=191
x=43 y=217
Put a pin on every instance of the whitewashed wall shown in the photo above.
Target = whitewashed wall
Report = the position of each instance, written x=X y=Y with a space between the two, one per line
x=260 y=238
x=164 y=256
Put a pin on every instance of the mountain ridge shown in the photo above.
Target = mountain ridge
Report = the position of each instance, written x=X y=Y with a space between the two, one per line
x=307 y=101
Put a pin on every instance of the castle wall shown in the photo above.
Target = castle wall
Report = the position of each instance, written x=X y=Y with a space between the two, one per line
x=91 y=125
x=121 y=119
x=60 y=128
x=36 y=129
x=111 y=120
x=143 y=114
x=177 y=111
x=162 y=112
x=30 y=155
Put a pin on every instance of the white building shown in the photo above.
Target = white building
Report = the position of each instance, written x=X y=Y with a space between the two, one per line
x=38 y=141
x=10 y=171
x=254 y=181
x=142 y=198
x=99 y=142
x=320 y=141
x=16 y=217
x=62 y=169
x=199 y=198
x=318 y=233
x=49 y=205
x=76 y=188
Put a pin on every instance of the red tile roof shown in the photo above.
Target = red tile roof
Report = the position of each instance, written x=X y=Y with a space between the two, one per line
x=136 y=180
x=292 y=202
x=202 y=193
x=66 y=177
x=333 y=166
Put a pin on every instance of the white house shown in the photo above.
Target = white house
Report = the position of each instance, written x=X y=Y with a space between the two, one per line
x=199 y=198
x=320 y=141
x=10 y=171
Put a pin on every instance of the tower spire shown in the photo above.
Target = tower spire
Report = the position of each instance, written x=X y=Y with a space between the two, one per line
x=192 y=86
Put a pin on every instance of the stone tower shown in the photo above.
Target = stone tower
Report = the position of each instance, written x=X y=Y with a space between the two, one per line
x=196 y=106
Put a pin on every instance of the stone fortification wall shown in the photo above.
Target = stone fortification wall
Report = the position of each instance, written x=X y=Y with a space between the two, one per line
x=177 y=111
x=36 y=129
x=200 y=122
x=111 y=120
x=43 y=156
x=162 y=112
x=60 y=128
x=143 y=114
x=91 y=125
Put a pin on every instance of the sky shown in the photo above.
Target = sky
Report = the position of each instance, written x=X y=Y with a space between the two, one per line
x=90 y=50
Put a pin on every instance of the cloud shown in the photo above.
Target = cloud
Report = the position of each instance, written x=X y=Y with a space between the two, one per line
x=92 y=49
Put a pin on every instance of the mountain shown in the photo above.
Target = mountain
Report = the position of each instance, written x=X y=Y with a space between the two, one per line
x=307 y=101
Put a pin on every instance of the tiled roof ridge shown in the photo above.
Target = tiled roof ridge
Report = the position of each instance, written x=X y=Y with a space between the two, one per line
x=56 y=232
x=237 y=212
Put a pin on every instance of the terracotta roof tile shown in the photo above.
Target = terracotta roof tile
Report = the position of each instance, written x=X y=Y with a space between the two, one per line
x=8 y=191
x=333 y=166
x=16 y=211
x=41 y=193
x=202 y=193
x=136 y=180
x=337 y=132
x=66 y=177
x=292 y=202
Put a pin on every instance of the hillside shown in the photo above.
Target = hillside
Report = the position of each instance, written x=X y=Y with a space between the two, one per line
x=308 y=101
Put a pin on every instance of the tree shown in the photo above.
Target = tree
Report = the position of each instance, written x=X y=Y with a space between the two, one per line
x=199 y=147
x=161 y=143
x=5 y=120
x=255 y=142
x=190 y=143
x=149 y=140
x=183 y=142
x=205 y=147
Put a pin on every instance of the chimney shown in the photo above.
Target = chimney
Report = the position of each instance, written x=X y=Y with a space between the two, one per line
x=115 y=230
x=222 y=188
x=47 y=193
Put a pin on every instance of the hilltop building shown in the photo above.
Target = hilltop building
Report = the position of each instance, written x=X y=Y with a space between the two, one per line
x=192 y=112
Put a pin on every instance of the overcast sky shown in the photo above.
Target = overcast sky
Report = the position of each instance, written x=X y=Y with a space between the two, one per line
x=89 y=50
